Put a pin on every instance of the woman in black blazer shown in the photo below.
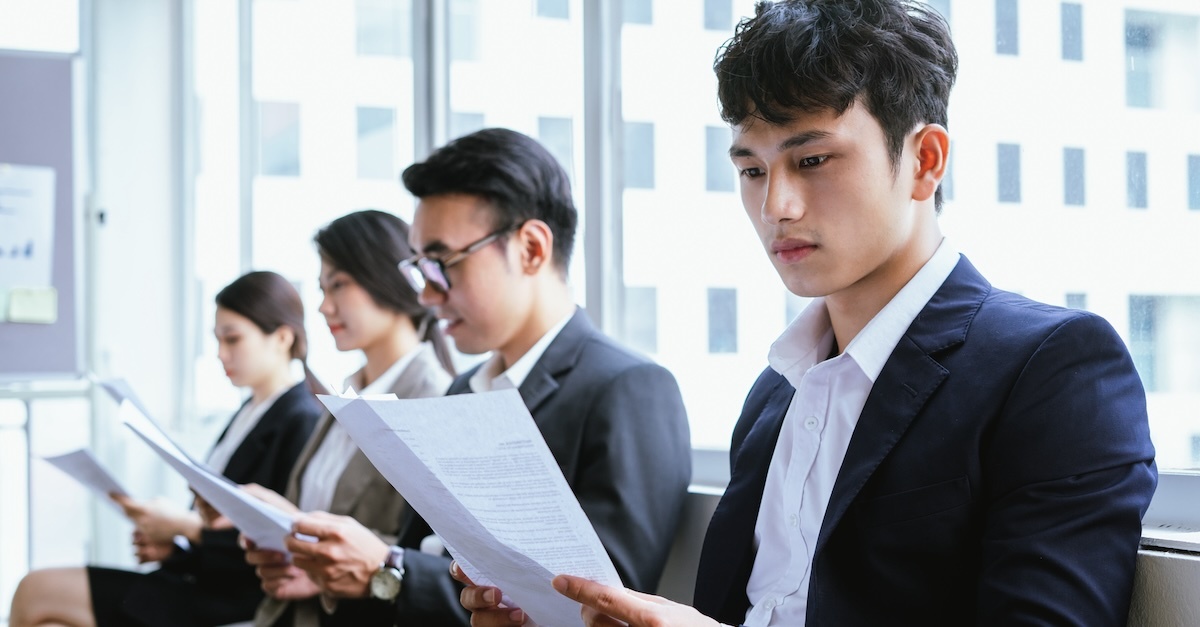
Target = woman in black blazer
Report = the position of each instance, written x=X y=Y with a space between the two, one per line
x=203 y=580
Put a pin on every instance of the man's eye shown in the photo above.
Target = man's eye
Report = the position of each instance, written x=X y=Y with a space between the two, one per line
x=751 y=173
x=809 y=162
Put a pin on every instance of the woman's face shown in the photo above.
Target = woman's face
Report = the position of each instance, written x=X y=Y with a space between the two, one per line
x=355 y=320
x=250 y=356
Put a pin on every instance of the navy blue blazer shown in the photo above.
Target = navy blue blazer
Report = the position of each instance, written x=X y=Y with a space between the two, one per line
x=997 y=475
x=616 y=425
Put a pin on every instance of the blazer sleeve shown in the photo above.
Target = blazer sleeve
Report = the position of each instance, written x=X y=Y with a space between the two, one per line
x=633 y=472
x=1069 y=474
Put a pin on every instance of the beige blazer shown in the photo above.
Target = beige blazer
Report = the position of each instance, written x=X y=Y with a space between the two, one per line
x=361 y=492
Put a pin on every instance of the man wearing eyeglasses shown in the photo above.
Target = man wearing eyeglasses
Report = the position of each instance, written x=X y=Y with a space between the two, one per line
x=494 y=229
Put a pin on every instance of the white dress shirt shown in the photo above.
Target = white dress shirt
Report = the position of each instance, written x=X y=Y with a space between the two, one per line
x=830 y=394
x=326 y=466
x=490 y=378
x=243 y=423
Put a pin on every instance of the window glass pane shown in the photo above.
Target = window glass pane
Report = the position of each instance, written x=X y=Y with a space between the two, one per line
x=1077 y=301
x=279 y=139
x=639 y=155
x=1193 y=181
x=464 y=30
x=559 y=9
x=1135 y=180
x=641 y=318
x=1160 y=59
x=375 y=143
x=1006 y=26
x=1196 y=450
x=1165 y=342
x=40 y=25
x=384 y=27
x=463 y=123
x=1073 y=177
x=558 y=136
x=637 y=11
x=718 y=14
x=719 y=171
x=1072 y=31
x=722 y=320
x=1142 y=338
x=941 y=6
x=1009 y=172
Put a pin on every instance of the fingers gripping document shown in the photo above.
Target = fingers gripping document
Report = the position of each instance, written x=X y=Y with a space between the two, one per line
x=265 y=524
x=476 y=468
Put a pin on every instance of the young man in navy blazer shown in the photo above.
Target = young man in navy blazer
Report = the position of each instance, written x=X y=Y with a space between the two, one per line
x=494 y=228
x=924 y=449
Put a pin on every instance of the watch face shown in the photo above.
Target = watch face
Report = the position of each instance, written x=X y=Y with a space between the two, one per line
x=385 y=584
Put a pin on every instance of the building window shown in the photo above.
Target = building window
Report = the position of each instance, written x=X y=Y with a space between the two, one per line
x=375 y=141
x=637 y=11
x=464 y=30
x=557 y=9
x=718 y=15
x=718 y=169
x=941 y=6
x=1073 y=177
x=556 y=134
x=722 y=320
x=463 y=123
x=1008 y=159
x=1006 y=27
x=383 y=27
x=1164 y=341
x=278 y=139
x=1076 y=301
x=1072 y=31
x=1140 y=43
x=1142 y=338
x=1135 y=180
x=639 y=155
x=641 y=318
x=1193 y=181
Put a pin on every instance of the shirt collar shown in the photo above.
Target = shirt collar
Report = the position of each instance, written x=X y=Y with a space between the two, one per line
x=809 y=338
x=489 y=377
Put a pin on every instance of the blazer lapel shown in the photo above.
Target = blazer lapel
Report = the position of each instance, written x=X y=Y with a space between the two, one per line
x=905 y=384
x=560 y=356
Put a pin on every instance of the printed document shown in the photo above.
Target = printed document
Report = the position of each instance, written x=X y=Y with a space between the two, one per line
x=83 y=467
x=476 y=468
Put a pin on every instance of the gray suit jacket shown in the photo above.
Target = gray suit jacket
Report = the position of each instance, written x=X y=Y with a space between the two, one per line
x=616 y=425
x=361 y=493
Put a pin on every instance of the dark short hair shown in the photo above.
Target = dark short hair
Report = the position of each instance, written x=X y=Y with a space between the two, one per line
x=812 y=55
x=368 y=245
x=515 y=174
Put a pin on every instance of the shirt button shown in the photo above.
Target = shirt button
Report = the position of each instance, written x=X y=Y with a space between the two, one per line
x=770 y=605
x=794 y=521
x=811 y=423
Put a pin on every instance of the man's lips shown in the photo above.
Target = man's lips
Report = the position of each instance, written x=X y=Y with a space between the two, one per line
x=789 y=250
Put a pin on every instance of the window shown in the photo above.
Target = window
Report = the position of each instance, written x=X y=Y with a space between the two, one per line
x=719 y=172
x=1160 y=66
x=384 y=27
x=722 y=320
x=557 y=9
x=1193 y=181
x=279 y=139
x=1073 y=178
x=718 y=15
x=463 y=123
x=639 y=155
x=1072 y=31
x=1165 y=342
x=941 y=6
x=375 y=139
x=1135 y=180
x=1009 y=172
x=1006 y=27
x=1077 y=301
x=1142 y=338
x=464 y=30
x=557 y=136
x=641 y=318
x=637 y=11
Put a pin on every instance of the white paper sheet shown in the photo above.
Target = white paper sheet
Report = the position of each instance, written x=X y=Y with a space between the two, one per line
x=26 y=226
x=83 y=467
x=265 y=524
x=476 y=468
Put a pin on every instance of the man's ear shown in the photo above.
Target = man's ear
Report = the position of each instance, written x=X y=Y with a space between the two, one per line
x=536 y=242
x=933 y=154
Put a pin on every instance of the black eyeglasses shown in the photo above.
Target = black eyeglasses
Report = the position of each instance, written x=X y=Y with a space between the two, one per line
x=421 y=270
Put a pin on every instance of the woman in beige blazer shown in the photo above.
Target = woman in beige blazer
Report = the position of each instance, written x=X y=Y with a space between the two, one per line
x=369 y=307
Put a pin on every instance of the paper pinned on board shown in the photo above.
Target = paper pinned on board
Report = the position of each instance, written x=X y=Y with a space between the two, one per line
x=82 y=466
x=476 y=467
x=266 y=525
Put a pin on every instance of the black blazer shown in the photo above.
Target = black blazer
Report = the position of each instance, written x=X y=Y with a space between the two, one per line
x=997 y=475
x=615 y=423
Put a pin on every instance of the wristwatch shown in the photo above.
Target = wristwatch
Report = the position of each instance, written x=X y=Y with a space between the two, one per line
x=386 y=581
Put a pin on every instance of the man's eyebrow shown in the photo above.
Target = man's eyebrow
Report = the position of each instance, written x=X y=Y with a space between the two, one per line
x=436 y=246
x=795 y=141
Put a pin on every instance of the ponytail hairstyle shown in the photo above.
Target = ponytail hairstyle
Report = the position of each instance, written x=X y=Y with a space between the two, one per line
x=369 y=245
x=271 y=301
